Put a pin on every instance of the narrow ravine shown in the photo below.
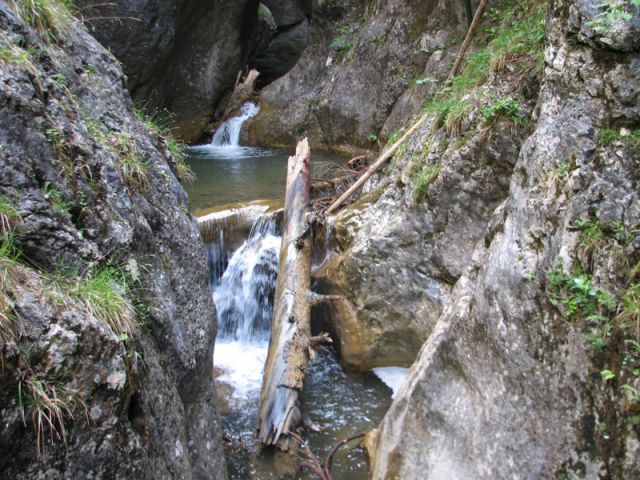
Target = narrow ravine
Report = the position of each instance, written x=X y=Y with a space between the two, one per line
x=243 y=284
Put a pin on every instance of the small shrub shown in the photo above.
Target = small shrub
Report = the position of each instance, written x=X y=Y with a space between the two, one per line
x=611 y=12
x=508 y=107
x=576 y=295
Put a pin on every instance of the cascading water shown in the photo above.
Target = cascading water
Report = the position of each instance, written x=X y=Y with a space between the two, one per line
x=244 y=299
x=228 y=134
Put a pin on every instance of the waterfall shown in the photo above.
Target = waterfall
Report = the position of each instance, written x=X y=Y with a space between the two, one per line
x=228 y=134
x=244 y=300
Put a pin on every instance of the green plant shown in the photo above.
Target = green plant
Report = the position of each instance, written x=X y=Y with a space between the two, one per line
x=630 y=139
x=425 y=178
x=518 y=40
x=48 y=404
x=612 y=11
x=630 y=309
x=9 y=216
x=134 y=171
x=58 y=203
x=104 y=293
x=60 y=79
x=562 y=169
x=424 y=80
x=340 y=44
x=50 y=18
x=508 y=107
x=607 y=375
x=159 y=124
x=373 y=138
x=9 y=275
x=576 y=295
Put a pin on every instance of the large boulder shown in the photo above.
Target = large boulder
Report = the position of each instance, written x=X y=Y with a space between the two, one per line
x=180 y=56
x=94 y=194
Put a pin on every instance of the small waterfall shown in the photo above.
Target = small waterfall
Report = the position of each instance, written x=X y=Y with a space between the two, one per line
x=244 y=300
x=228 y=134
x=244 y=296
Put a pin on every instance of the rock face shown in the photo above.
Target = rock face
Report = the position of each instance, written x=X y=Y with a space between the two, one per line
x=96 y=191
x=180 y=56
x=523 y=375
x=289 y=38
x=361 y=58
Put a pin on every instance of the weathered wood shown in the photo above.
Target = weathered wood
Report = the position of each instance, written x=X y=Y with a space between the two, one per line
x=286 y=365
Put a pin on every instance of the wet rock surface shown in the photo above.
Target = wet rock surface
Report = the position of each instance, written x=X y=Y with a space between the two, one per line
x=142 y=405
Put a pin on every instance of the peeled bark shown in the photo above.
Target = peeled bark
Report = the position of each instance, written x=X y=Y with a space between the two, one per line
x=288 y=356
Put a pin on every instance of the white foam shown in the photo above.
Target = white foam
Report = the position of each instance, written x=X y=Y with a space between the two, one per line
x=393 y=377
x=242 y=364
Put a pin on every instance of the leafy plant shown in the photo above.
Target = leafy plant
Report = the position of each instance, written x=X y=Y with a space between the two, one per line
x=341 y=44
x=611 y=12
x=607 y=375
x=577 y=295
x=508 y=107
x=630 y=139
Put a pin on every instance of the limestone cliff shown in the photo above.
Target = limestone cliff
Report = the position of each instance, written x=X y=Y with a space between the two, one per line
x=107 y=323
x=506 y=235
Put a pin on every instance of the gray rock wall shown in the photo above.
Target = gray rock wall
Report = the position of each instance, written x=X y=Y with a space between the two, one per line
x=361 y=58
x=143 y=404
x=508 y=385
x=180 y=56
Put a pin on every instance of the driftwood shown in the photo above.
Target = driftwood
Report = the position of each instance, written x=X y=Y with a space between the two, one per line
x=387 y=154
x=280 y=399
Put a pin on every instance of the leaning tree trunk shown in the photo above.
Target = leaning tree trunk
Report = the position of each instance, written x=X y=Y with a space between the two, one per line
x=286 y=365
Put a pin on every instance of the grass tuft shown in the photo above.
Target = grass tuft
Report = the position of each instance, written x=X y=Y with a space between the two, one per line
x=47 y=405
x=104 y=294
x=50 y=18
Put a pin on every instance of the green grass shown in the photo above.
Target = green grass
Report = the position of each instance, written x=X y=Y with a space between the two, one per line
x=9 y=276
x=102 y=292
x=517 y=38
x=47 y=404
x=422 y=180
x=50 y=18
x=629 y=138
x=9 y=216
x=59 y=204
x=159 y=125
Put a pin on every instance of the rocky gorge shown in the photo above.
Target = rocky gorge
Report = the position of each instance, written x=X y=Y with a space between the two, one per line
x=496 y=255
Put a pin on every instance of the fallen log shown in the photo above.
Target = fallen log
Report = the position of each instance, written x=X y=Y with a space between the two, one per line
x=280 y=399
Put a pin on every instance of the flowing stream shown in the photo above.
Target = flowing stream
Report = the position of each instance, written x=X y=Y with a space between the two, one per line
x=243 y=284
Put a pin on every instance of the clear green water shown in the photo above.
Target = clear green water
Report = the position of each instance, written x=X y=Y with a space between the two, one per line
x=227 y=175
